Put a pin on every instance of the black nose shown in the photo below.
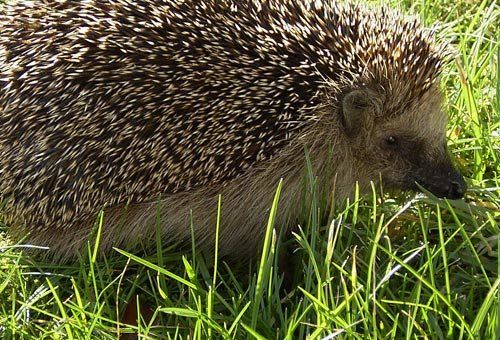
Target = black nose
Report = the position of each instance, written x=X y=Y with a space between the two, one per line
x=457 y=188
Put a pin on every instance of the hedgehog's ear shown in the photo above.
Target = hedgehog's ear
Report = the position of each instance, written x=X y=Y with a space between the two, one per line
x=355 y=111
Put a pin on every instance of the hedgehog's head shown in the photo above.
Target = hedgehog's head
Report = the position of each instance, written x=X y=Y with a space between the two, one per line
x=401 y=140
x=386 y=76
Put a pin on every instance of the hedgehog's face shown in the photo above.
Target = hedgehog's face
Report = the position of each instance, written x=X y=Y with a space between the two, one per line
x=404 y=150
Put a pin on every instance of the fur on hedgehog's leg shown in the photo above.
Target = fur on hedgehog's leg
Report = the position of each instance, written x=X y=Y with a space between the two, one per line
x=240 y=231
x=286 y=266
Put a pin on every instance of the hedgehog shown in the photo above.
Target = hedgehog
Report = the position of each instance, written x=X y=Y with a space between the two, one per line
x=150 y=110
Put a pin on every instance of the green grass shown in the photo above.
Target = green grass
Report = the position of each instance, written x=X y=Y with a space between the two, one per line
x=376 y=268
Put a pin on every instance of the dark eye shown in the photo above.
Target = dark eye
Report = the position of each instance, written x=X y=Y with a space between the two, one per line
x=391 y=140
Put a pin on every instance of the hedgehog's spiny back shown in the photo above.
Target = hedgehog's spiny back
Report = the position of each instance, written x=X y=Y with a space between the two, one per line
x=110 y=102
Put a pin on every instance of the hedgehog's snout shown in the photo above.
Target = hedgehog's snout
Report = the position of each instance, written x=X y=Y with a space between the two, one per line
x=454 y=187
x=446 y=184
x=457 y=187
